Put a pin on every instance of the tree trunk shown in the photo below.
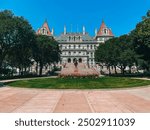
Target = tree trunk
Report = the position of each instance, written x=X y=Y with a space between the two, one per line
x=115 y=69
x=19 y=70
x=0 y=71
x=130 y=69
x=137 y=69
x=1 y=68
x=37 y=68
x=25 y=70
x=122 y=70
x=41 y=68
x=109 y=70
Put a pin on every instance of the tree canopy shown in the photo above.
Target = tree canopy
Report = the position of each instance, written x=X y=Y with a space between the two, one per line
x=16 y=39
x=117 y=52
x=128 y=50
x=45 y=51
x=20 y=46
x=141 y=41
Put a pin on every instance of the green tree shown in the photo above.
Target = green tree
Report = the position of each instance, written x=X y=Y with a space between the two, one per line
x=126 y=54
x=106 y=54
x=16 y=39
x=45 y=51
x=117 y=52
x=7 y=35
x=20 y=54
x=141 y=40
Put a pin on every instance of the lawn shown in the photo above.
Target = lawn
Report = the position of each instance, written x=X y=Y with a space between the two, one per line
x=78 y=83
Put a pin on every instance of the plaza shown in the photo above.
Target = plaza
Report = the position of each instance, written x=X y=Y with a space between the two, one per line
x=20 y=100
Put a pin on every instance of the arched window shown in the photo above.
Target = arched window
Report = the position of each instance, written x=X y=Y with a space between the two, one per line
x=69 y=53
x=44 y=31
x=80 y=60
x=87 y=46
x=91 y=46
x=69 y=46
x=69 y=60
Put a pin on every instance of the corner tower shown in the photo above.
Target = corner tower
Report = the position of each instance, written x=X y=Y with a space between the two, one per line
x=104 y=33
x=45 y=30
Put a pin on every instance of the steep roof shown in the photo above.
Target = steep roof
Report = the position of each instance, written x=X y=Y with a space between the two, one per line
x=45 y=25
x=102 y=28
x=77 y=36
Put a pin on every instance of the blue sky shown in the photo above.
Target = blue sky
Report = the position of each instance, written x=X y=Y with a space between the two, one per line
x=120 y=15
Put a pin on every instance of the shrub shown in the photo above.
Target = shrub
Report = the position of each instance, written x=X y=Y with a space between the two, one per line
x=1 y=84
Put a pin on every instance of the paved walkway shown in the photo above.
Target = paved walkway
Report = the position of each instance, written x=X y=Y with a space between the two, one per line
x=41 y=100
x=11 y=80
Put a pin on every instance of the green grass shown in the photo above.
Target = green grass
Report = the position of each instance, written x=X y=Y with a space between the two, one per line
x=76 y=83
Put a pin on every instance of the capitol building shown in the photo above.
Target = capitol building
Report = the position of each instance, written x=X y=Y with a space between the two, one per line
x=78 y=46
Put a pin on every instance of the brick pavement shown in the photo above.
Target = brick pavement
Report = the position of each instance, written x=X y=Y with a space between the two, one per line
x=19 y=100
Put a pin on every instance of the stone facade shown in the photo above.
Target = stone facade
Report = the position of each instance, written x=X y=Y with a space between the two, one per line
x=78 y=46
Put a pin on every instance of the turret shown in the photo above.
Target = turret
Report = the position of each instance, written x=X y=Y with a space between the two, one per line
x=65 y=30
x=84 y=30
x=45 y=30
x=95 y=32
x=52 y=31
x=104 y=33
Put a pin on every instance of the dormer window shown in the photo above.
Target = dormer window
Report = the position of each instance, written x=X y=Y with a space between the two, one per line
x=105 y=31
x=44 y=31
x=69 y=38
